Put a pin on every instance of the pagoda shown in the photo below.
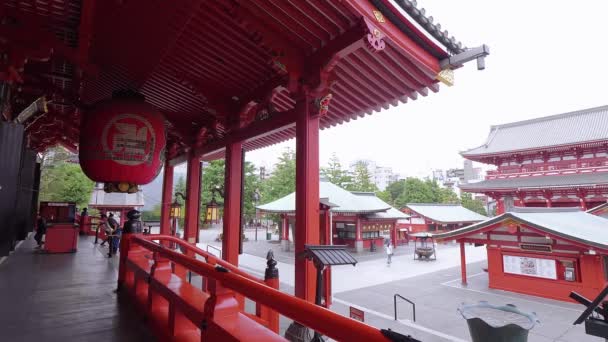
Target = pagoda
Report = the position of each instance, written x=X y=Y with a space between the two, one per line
x=553 y=161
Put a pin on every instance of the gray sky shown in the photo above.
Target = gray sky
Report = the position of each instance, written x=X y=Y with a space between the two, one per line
x=547 y=57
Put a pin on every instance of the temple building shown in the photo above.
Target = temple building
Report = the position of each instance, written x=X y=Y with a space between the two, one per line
x=553 y=161
x=357 y=219
x=438 y=217
x=545 y=252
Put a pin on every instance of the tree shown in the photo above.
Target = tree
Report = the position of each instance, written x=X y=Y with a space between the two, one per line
x=65 y=182
x=335 y=174
x=282 y=182
x=472 y=204
x=362 y=180
x=152 y=215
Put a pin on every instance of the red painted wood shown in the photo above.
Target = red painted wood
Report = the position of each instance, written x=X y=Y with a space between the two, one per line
x=167 y=198
x=307 y=195
x=193 y=199
x=590 y=276
x=463 y=264
x=232 y=203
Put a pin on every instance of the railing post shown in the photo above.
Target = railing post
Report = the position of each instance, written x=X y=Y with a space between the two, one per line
x=271 y=278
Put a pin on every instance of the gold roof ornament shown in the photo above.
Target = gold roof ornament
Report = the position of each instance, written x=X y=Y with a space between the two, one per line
x=446 y=76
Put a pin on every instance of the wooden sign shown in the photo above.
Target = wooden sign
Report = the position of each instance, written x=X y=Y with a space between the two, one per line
x=357 y=314
x=535 y=247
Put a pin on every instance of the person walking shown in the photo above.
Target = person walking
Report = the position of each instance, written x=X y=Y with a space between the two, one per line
x=40 y=231
x=389 y=251
x=110 y=225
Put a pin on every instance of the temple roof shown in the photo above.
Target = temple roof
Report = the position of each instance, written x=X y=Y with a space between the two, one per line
x=344 y=201
x=445 y=213
x=567 y=223
x=196 y=62
x=601 y=210
x=583 y=126
x=535 y=182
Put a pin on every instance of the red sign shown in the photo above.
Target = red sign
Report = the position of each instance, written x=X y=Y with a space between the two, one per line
x=357 y=314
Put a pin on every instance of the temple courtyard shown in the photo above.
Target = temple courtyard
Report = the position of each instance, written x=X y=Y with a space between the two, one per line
x=434 y=286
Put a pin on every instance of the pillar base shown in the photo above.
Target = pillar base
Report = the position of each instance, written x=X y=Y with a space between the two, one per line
x=285 y=245
x=359 y=246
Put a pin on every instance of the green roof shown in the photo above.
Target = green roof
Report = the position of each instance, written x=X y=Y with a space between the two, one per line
x=344 y=201
x=567 y=223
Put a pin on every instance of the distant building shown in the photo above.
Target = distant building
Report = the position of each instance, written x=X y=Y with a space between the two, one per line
x=437 y=217
x=381 y=176
x=554 y=161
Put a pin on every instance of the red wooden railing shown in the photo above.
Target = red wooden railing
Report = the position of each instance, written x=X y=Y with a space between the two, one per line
x=177 y=310
x=551 y=168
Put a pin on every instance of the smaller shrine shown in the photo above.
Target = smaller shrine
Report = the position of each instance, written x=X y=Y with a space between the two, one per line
x=118 y=203
x=359 y=220
x=439 y=217
x=545 y=252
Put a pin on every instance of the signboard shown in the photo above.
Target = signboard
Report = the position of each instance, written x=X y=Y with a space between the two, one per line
x=533 y=267
x=357 y=314
x=535 y=247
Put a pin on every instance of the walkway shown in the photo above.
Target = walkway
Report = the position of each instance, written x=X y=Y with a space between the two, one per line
x=64 y=297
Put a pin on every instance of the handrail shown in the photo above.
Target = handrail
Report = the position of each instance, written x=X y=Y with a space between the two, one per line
x=217 y=249
x=407 y=300
x=210 y=258
x=315 y=317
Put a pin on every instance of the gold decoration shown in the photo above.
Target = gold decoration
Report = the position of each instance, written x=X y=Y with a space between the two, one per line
x=446 y=76
x=379 y=16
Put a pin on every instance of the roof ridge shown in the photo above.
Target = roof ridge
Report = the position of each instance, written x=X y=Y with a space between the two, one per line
x=435 y=204
x=592 y=110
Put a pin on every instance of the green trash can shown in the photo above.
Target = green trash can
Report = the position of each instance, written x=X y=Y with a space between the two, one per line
x=268 y=236
x=497 y=323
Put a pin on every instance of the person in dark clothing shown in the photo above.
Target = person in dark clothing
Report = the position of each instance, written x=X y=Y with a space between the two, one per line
x=83 y=220
x=109 y=228
x=40 y=230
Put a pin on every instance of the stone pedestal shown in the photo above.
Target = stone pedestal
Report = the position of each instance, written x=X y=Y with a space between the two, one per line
x=285 y=245
x=359 y=246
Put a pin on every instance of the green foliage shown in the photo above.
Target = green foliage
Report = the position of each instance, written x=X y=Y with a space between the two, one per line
x=472 y=204
x=152 y=215
x=415 y=190
x=283 y=179
x=65 y=182
x=335 y=174
x=362 y=180
x=213 y=178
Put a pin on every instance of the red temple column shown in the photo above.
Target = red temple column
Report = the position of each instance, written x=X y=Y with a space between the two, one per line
x=285 y=233
x=167 y=198
x=358 y=236
x=324 y=223
x=394 y=234
x=232 y=203
x=193 y=198
x=307 y=195
x=463 y=264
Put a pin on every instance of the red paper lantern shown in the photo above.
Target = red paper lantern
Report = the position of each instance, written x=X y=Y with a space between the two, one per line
x=122 y=142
